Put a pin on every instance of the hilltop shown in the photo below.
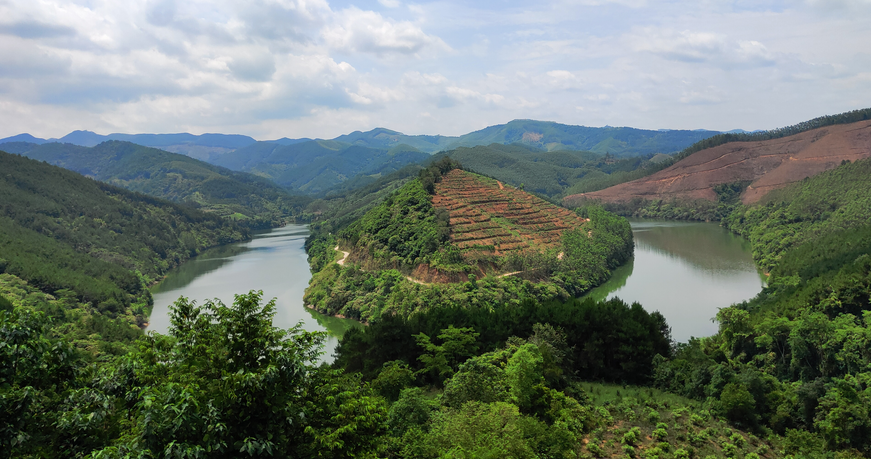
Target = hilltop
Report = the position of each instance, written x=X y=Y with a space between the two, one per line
x=550 y=136
x=451 y=233
x=757 y=166
x=196 y=146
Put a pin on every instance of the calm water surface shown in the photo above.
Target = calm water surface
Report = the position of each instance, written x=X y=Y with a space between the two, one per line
x=274 y=262
x=687 y=271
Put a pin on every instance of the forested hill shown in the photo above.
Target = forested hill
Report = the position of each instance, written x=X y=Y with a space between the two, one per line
x=541 y=135
x=315 y=166
x=554 y=173
x=92 y=246
x=428 y=240
x=254 y=201
x=618 y=141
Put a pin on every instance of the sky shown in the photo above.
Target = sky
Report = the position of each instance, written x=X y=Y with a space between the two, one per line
x=313 y=68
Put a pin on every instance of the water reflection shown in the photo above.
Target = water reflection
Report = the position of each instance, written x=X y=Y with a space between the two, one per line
x=687 y=271
x=274 y=262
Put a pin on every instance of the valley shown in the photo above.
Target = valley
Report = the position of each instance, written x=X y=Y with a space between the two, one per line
x=490 y=312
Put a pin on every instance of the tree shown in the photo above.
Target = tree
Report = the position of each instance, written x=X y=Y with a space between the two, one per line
x=227 y=383
x=440 y=361
x=36 y=374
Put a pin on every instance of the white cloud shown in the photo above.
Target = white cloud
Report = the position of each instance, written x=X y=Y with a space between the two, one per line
x=707 y=96
x=684 y=46
x=279 y=67
x=465 y=94
x=369 y=32
x=563 y=79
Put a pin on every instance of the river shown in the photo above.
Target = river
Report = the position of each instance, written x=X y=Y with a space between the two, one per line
x=687 y=271
x=274 y=262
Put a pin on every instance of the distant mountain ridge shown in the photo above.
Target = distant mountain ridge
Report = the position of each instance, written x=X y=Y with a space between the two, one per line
x=547 y=135
x=314 y=166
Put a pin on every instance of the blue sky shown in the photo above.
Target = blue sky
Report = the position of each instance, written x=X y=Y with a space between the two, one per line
x=312 y=68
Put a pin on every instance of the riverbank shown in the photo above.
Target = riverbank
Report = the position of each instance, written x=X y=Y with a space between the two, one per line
x=273 y=261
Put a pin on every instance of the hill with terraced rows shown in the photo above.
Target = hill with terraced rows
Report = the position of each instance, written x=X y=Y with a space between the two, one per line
x=454 y=238
x=488 y=216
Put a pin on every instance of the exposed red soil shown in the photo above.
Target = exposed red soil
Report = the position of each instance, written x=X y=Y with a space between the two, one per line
x=768 y=165
x=485 y=215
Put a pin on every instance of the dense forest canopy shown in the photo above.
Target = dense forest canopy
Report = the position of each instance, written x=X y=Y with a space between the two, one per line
x=251 y=200
x=90 y=249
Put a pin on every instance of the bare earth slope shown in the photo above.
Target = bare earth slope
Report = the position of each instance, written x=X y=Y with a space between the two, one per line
x=768 y=165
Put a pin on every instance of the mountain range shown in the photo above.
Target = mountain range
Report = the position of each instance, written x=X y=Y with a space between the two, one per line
x=314 y=166
x=546 y=135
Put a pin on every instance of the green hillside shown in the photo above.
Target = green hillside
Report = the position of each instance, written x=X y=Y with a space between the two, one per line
x=794 y=360
x=313 y=167
x=89 y=248
x=552 y=173
x=252 y=200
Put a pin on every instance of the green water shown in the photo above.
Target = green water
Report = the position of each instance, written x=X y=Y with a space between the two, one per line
x=687 y=271
x=274 y=262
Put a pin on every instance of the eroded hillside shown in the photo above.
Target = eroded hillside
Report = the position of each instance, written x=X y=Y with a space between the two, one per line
x=767 y=165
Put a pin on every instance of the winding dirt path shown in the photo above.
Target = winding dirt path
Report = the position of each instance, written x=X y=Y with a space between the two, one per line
x=344 y=257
